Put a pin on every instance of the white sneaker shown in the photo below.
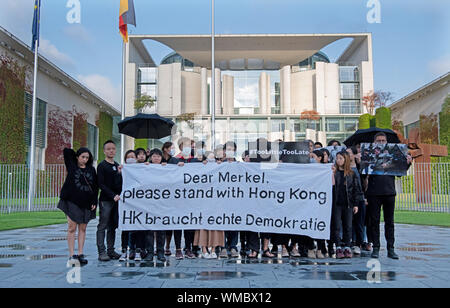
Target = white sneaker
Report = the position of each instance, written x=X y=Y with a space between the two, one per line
x=123 y=257
x=356 y=250
x=138 y=257
x=206 y=255
x=311 y=254
x=295 y=253
x=223 y=254
x=213 y=255
x=234 y=253
x=284 y=253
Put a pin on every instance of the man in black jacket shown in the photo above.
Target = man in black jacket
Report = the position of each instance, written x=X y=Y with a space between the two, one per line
x=110 y=183
x=381 y=193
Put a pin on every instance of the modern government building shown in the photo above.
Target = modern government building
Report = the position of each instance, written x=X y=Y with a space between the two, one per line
x=263 y=84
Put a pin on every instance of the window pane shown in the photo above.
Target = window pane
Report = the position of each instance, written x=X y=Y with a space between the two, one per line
x=350 y=107
x=350 y=91
x=332 y=125
x=348 y=73
x=147 y=75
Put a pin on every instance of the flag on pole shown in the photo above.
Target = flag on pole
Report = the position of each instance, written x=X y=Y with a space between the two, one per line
x=126 y=17
x=36 y=22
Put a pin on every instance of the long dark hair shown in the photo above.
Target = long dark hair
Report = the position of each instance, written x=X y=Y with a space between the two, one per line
x=347 y=169
x=86 y=150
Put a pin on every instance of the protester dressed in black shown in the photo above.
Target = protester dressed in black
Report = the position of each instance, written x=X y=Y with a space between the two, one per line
x=381 y=193
x=347 y=196
x=184 y=144
x=78 y=199
x=110 y=184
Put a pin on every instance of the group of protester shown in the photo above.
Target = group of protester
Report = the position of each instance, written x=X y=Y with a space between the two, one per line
x=355 y=218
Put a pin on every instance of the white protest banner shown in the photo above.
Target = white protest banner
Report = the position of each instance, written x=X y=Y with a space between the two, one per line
x=291 y=198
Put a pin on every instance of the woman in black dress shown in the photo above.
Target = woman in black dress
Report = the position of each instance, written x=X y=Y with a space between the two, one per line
x=79 y=197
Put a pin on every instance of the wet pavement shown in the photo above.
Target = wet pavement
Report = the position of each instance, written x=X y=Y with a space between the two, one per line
x=37 y=257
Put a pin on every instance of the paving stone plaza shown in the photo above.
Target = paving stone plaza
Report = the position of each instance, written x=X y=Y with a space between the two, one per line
x=37 y=257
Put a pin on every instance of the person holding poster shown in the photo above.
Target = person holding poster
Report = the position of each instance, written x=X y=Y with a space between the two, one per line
x=381 y=193
x=347 y=196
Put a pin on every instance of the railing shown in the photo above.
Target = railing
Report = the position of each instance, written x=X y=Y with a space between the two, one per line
x=426 y=188
x=14 y=188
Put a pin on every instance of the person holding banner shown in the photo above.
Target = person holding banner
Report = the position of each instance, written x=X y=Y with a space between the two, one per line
x=168 y=151
x=130 y=158
x=78 y=199
x=347 y=196
x=155 y=158
x=262 y=144
x=231 y=237
x=184 y=144
x=137 y=238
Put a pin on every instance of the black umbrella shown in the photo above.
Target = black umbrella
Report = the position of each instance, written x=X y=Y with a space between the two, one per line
x=368 y=135
x=146 y=126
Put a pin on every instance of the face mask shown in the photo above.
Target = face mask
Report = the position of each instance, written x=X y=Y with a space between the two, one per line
x=229 y=154
x=186 y=152
x=172 y=152
x=211 y=160
x=201 y=152
x=131 y=161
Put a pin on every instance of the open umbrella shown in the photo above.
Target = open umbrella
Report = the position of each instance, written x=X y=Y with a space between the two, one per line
x=368 y=135
x=146 y=126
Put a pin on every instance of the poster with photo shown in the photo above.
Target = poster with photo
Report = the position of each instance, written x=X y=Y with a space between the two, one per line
x=384 y=159
x=333 y=151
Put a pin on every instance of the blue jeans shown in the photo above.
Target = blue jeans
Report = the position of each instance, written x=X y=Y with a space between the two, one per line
x=231 y=239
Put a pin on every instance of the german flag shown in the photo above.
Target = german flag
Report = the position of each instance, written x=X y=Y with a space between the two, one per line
x=126 y=17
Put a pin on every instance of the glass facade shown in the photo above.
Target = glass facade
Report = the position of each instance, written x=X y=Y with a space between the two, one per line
x=246 y=90
x=245 y=124
x=350 y=94
x=147 y=84
x=310 y=63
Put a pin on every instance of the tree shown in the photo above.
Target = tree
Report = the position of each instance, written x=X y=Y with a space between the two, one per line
x=373 y=100
x=143 y=102
x=310 y=116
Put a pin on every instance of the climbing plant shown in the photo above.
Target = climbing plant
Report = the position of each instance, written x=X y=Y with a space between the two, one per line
x=80 y=129
x=59 y=134
x=444 y=126
x=12 y=111
x=104 y=122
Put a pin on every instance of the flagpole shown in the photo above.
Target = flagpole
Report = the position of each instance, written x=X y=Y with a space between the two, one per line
x=33 y=120
x=122 y=136
x=213 y=82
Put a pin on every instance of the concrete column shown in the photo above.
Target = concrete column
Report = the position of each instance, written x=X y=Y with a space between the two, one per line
x=332 y=88
x=228 y=94
x=320 y=87
x=264 y=93
x=285 y=89
x=322 y=137
x=204 y=90
x=365 y=81
x=218 y=91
